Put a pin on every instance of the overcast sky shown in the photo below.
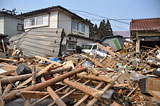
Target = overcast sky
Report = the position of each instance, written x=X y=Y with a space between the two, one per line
x=102 y=9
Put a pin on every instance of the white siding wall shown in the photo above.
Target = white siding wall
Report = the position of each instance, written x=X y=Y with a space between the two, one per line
x=10 y=26
x=87 y=31
x=81 y=41
x=85 y=34
x=53 y=19
x=64 y=22
x=1 y=25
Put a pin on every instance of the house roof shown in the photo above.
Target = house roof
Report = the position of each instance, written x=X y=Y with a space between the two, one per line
x=109 y=37
x=152 y=24
x=6 y=14
x=3 y=13
x=125 y=34
x=60 y=8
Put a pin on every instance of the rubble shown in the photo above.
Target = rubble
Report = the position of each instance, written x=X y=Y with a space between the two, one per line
x=122 y=78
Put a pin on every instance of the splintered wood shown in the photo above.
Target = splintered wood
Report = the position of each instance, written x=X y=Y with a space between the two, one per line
x=116 y=79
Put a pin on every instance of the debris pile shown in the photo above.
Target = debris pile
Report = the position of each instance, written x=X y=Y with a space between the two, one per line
x=121 y=78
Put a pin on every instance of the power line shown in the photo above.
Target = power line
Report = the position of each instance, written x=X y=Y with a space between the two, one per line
x=101 y=16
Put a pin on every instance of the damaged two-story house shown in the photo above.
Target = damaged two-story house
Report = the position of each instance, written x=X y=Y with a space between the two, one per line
x=75 y=29
x=9 y=25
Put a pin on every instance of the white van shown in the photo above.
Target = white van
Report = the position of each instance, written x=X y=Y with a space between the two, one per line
x=92 y=48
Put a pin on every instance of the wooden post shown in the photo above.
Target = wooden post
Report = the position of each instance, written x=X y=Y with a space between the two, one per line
x=33 y=75
x=3 y=46
x=38 y=74
x=0 y=88
x=137 y=43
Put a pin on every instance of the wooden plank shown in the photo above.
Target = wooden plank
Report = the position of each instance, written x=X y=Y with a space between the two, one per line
x=153 y=84
x=9 y=68
x=7 y=89
x=155 y=94
x=91 y=91
x=6 y=59
x=32 y=94
x=132 y=91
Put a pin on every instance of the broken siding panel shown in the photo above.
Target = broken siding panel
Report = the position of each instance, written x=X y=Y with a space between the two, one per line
x=46 y=43
x=41 y=41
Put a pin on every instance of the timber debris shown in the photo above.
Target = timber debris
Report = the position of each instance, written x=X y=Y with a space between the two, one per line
x=123 y=78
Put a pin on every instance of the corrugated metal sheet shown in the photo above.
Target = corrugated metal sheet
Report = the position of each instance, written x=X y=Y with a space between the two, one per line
x=145 y=25
x=40 y=41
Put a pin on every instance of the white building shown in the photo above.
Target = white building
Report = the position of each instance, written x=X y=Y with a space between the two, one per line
x=75 y=27
x=9 y=24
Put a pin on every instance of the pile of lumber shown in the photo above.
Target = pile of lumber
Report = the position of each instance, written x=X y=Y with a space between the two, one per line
x=121 y=78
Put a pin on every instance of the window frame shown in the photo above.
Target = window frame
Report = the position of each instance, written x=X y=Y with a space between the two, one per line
x=28 y=21
x=75 y=29
x=82 y=27
x=72 y=43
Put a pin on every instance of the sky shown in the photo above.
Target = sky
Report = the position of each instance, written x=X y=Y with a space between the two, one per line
x=120 y=12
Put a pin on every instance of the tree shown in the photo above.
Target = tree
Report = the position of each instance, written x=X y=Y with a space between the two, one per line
x=93 y=31
x=108 y=29
x=102 y=29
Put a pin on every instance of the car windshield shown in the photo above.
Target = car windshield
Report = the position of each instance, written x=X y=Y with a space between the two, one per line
x=87 y=46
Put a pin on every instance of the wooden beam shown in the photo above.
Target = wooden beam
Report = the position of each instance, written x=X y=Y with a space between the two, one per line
x=86 y=96
x=7 y=89
x=32 y=94
x=94 y=100
x=93 y=77
x=54 y=95
x=132 y=91
x=155 y=94
x=69 y=93
x=91 y=91
x=42 y=85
